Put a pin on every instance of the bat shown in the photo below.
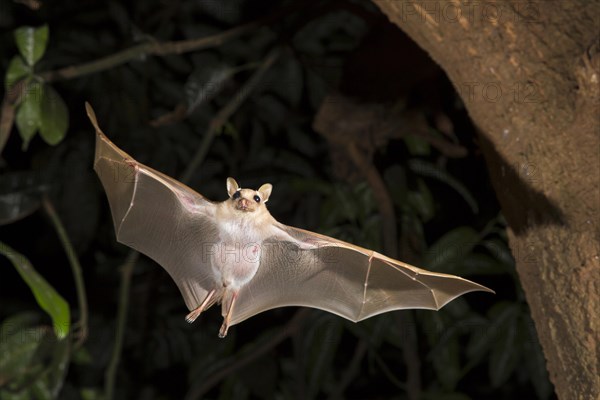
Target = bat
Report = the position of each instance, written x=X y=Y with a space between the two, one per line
x=235 y=253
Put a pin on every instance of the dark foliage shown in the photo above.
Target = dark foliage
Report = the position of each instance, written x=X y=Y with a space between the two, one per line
x=158 y=108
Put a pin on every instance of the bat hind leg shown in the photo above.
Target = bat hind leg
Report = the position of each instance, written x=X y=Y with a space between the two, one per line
x=228 y=305
x=191 y=317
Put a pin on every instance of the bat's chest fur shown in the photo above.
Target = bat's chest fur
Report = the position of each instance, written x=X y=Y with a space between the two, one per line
x=236 y=257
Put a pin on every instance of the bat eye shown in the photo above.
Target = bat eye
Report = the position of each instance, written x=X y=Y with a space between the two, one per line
x=256 y=198
x=236 y=195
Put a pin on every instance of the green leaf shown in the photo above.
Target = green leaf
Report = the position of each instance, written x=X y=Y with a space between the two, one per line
x=422 y=201
x=16 y=71
x=82 y=356
x=447 y=363
x=32 y=42
x=417 y=146
x=48 y=299
x=479 y=264
x=20 y=194
x=31 y=358
x=499 y=251
x=506 y=352
x=91 y=394
x=22 y=395
x=13 y=323
x=29 y=115
x=451 y=248
x=54 y=116
x=395 y=180
x=319 y=347
x=321 y=362
x=430 y=170
x=39 y=390
x=17 y=351
x=55 y=375
x=502 y=313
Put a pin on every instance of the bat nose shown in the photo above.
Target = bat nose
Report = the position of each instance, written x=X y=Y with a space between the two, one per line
x=244 y=203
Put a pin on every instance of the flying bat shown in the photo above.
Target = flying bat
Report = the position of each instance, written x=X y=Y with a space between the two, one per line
x=236 y=254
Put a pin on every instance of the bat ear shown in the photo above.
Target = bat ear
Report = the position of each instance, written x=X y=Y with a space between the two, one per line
x=232 y=186
x=265 y=191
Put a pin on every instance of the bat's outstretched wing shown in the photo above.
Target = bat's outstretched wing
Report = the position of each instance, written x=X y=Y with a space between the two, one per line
x=344 y=279
x=158 y=216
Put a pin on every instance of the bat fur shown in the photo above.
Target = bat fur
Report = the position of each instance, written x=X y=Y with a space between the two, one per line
x=235 y=253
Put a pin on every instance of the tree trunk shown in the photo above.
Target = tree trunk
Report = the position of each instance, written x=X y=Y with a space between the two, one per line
x=528 y=73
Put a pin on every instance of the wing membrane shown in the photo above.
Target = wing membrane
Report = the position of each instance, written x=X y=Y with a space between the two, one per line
x=159 y=217
x=344 y=279
x=174 y=225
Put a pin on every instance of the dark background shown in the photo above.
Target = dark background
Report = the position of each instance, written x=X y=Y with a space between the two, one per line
x=479 y=346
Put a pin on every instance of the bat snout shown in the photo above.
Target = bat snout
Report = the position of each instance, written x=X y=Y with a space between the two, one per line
x=244 y=205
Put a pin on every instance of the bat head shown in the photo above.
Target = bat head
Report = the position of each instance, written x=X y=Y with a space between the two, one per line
x=248 y=200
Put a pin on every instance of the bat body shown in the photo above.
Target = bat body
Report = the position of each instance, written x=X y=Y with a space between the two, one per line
x=235 y=253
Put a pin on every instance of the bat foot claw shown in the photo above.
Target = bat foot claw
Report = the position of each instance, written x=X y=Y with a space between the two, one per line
x=191 y=317
x=223 y=330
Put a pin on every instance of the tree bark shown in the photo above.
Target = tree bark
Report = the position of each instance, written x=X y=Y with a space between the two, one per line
x=528 y=73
